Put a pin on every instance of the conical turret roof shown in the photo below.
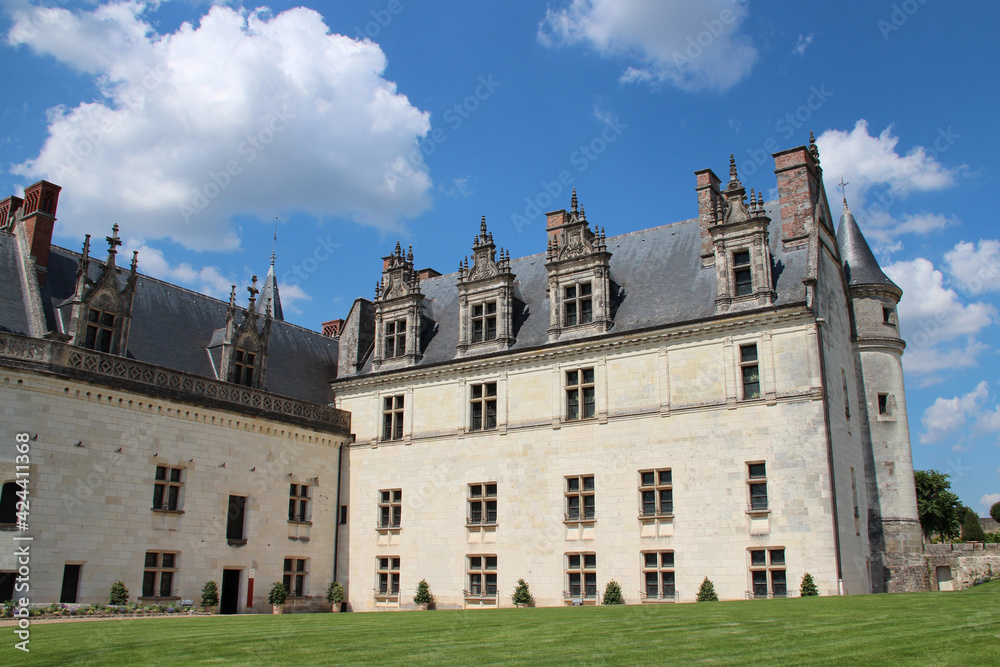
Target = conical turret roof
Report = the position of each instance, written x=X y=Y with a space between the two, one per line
x=860 y=265
x=270 y=291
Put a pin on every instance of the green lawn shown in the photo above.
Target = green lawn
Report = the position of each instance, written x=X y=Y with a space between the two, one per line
x=960 y=628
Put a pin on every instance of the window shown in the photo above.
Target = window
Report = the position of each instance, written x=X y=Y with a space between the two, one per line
x=295 y=576
x=578 y=306
x=656 y=493
x=484 y=322
x=392 y=418
x=8 y=503
x=854 y=494
x=483 y=503
x=742 y=277
x=244 y=367
x=887 y=316
x=581 y=575
x=395 y=339
x=484 y=407
x=298 y=503
x=580 y=501
x=883 y=405
x=236 y=513
x=580 y=402
x=343 y=514
x=167 y=488
x=482 y=576
x=100 y=330
x=658 y=575
x=387 y=577
x=390 y=508
x=749 y=371
x=847 y=398
x=757 y=482
x=767 y=573
x=158 y=577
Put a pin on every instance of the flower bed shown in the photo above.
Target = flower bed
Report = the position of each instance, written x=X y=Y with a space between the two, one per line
x=98 y=610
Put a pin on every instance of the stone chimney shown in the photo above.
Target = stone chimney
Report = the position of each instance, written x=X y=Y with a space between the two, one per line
x=707 y=187
x=38 y=212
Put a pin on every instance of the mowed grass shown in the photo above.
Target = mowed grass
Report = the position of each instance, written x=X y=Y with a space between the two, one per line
x=959 y=628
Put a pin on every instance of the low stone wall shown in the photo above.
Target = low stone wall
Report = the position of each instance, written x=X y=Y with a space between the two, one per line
x=967 y=563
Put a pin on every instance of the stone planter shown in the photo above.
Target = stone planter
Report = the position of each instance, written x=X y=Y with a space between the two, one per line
x=335 y=607
x=277 y=608
x=423 y=607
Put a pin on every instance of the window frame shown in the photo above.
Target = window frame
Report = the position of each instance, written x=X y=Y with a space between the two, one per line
x=584 y=571
x=768 y=576
x=158 y=569
x=236 y=534
x=394 y=338
x=742 y=288
x=664 y=570
x=100 y=335
x=487 y=587
x=390 y=505
x=298 y=503
x=580 y=387
x=294 y=573
x=580 y=493
x=390 y=567
x=577 y=306
x=480 y=406
x=747 y=365
x=244 y=366
x=757 y=480
x=484 y=315
x=483 y=500
x=168 y=492
x=393 y=417
x=657 y=487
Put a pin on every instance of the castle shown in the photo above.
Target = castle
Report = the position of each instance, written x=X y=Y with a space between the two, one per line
x=718 y=397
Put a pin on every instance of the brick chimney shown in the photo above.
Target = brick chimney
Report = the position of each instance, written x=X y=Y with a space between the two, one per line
x=707 y=187
x=554 y=221
x=424 y=274
x=39 y=215
x=8 y=211
x=332 y=328
x=800 y=192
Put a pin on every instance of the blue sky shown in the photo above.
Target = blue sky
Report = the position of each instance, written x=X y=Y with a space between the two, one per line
x=358 y=123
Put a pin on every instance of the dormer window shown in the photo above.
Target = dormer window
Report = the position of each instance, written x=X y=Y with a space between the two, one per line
x=395 y=339
x=245 y=361
x=484 y=322
x=100 y=330
x=578 y=307
x=742 y=276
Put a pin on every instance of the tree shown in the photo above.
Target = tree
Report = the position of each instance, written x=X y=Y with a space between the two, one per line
x=118 y=593
x=707 y=592
x=278 y=594
x=995 y=512
x=937 y=506
x=423 y=595
x=972 y=530
x=210 y=594
x=521 y=595
x=613 y=593
x=808 y=587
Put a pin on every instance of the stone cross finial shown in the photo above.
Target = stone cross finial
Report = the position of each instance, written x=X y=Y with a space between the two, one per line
x=253 y=289
x=843 y=188
x=113 y=240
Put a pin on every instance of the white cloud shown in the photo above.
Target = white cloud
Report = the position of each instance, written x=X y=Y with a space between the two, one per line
x=694 y=46
x=803 y=43
x=878 y=177
x=987 y=501
x=975 y=269
x=948 y=416
x=245 y=113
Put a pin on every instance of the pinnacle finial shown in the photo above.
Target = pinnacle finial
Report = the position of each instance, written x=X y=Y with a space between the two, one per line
x=843 y=188
x=482 y=228
x=135 y=260
x=232 y=296
x=409 y=255
x=573 y=202
x=274 y=244
x=813 y=148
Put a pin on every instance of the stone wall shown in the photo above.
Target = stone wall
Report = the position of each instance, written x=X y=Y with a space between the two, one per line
x=967 y=563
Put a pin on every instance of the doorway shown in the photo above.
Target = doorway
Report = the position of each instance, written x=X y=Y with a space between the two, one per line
x=230 y=592
x=943 y=576
x=71 y=582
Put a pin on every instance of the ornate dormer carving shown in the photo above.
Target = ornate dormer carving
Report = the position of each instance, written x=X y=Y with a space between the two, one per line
x=100 y=312
x=580 y=288
x=739 y=234
x=244 y=347
x=486 y=297
x=398 y=312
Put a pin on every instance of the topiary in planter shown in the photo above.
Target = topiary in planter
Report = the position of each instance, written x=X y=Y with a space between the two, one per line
x=118 y=594
x=423 y=596
x=707 y=592
x=210 y=594
x=521 y=595
x=335 y=595
x=808 y=587
x=613 y=593
x=278 y=594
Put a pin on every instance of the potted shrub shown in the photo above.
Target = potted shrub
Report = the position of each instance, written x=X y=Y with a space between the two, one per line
x=276 y=596
x=423 y=598
x=808 y=587
x=210 y=596
x=707 y=592
x=335 y=596
x=522 y=595
x=118 y=595
x=613 y=593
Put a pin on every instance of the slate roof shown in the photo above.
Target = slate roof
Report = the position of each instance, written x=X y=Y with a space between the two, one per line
x=173 y=326
x=860 y=265
x=658 y=271
x=13 y=316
